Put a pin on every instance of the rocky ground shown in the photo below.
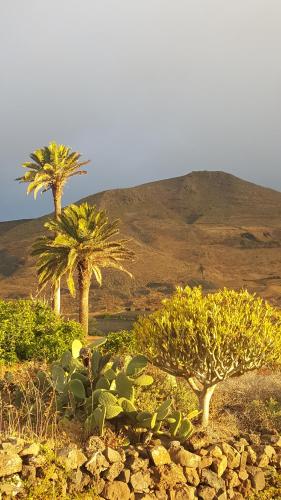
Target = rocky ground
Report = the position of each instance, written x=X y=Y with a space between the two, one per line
x=236 y=469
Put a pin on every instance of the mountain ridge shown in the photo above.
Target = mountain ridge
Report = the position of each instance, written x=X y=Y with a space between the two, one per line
x=209 y=219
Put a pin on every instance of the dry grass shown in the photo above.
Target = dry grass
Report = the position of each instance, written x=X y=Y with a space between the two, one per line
x=251 y=403
x=26 y=409
x=247 y=404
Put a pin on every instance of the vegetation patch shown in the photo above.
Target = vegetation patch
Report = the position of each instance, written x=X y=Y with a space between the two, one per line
x=31 y=330
x=208 y=338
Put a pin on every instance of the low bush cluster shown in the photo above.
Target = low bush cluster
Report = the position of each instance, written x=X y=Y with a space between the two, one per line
x=193 y=343
x=121 y=343
x=31 y=330
x=166 y=386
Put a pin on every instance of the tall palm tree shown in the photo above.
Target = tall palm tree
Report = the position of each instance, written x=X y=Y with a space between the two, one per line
x=50 y=168
x=80 y=241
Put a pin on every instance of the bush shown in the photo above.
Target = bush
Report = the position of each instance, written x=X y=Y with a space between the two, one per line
x=122 y=342
x=207 y=339
x=31 y=330
x=166 y=386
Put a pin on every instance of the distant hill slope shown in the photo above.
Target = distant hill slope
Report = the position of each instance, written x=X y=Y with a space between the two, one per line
x=209 y=228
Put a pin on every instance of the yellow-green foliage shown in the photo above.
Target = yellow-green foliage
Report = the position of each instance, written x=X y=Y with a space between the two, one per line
x=211 y=337
x=50 y=167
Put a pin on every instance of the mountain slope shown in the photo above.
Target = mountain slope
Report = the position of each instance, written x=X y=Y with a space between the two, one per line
x=205 y=227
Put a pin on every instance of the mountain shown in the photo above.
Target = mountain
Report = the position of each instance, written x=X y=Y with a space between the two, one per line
x=208 y=228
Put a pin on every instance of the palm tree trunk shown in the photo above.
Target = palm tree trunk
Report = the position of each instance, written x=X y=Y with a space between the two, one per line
x=56 y=297
x=57 y=195
x=84 y=281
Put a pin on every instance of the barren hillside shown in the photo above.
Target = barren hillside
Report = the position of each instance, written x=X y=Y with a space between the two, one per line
x=205 y=227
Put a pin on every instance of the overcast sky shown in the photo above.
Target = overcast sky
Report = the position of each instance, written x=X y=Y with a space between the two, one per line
x=146 y=89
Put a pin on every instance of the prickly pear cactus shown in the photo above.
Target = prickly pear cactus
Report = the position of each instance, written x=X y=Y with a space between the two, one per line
x=101 y=390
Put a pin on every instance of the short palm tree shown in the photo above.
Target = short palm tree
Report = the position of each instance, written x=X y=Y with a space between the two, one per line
x=80 y=241
x=49 y=169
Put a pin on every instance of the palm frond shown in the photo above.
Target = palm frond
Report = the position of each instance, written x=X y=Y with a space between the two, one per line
x=50 y=167
x=81 y=237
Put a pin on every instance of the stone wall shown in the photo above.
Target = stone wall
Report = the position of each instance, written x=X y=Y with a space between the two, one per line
x=160 y=470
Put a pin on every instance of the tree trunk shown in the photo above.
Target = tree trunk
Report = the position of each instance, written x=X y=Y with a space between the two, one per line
x=84 y=281
x=204 y=403
x=56 y=297
x=57 y=195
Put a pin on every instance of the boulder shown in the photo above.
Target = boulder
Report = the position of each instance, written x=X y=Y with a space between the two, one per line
x=219 y=465
x=206 y=492
x=30 y=449
x=71 y=458
x=222 y=496
x=168 y=476
x=37 y=461
x=159 y=455
x=11 y=487
x=238 y=496
x=231 y=478
x=263 y=460
x=97 y=463
x=269 y=451
x=246 y=489
x=175 y=444
x=13 y=444
x=113 y=471
x=99 y=486
x=185 y=458
x=141 y=481
x=10 y=463
x=192 y=476
x=116 y=490
x=276 y=440
x=243 y=460
x=183 y=492
x=257 y=478
x=136 y=463
x=233 y=456
x=252 y=456
x=124 y=475
x=112 y=455
x=205 y=462
x=240 y=445
x=211 y=479
x=243 y=475
x=215 y=451
x=161 y=494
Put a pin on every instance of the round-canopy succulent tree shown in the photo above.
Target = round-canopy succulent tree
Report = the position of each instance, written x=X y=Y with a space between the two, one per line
x=208 y=338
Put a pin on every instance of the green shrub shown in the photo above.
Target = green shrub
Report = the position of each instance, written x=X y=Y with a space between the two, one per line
x=122 y=342
x=166 y=386
x=30 y=330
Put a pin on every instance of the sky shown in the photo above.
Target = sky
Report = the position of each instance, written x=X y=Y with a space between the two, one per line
x=145 y=89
